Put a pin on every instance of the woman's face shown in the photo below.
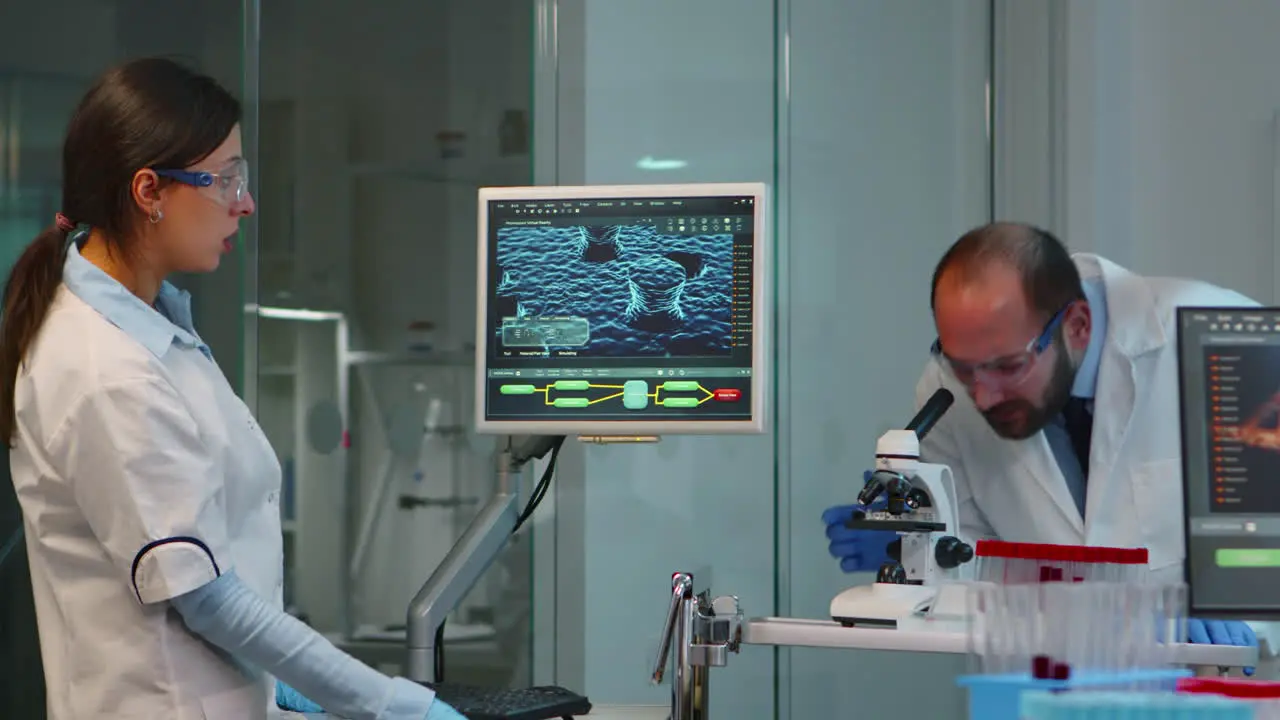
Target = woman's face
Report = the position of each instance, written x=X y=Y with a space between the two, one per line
x=199 y=223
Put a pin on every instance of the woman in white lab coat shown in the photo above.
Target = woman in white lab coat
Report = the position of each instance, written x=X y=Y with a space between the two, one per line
x=149 y=495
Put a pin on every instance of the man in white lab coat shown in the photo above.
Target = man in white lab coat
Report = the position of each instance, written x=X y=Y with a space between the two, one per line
x=1065 y=428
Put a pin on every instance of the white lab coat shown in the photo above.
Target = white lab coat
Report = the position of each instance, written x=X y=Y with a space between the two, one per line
x=141 y=476
x=1015 y=491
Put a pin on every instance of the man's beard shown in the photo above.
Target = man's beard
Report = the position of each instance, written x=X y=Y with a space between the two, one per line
x=1020 y=419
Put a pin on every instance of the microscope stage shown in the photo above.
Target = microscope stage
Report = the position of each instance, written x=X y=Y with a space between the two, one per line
x=897 y=525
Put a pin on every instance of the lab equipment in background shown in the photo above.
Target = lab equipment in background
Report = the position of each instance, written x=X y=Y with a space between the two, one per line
x=623 y=312
x=466 y=562
x=1262 y=697
x=1012 y=563
x=1084 y=627
x=1229 y=369
x=1070 y=636
x=452 y=144
x=922 y=509
x=715 y=628
x=699 y=634
x=688 y=265
x=410 y=444
x=474 y=552
x=420 y=336
x=312 y=368
x=513 y=133
x=408 y=439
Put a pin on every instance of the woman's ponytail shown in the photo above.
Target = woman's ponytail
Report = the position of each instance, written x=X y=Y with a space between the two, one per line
x=28 y=294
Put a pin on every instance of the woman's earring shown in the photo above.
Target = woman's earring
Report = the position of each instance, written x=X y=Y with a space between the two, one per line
x=156 y=215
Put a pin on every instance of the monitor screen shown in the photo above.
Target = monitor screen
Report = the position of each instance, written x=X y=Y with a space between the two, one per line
x=622 y=311
x=1229 y=361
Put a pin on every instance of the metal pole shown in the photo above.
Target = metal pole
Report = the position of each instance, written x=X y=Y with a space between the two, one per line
x=682 y=682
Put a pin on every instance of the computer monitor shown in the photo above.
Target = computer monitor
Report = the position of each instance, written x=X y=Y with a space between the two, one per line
x=1229 y=365
x=623 y=311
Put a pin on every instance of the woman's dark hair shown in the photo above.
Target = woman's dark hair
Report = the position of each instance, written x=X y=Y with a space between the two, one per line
x=146 y=113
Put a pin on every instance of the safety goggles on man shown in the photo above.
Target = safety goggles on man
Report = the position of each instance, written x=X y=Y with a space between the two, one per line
x=1007 y=371
x=227 y=186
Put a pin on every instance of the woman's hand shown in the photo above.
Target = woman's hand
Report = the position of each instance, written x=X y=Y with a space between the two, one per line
x=440 y=710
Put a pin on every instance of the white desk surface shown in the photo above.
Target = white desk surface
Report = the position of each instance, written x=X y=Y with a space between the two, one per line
x=825 y=633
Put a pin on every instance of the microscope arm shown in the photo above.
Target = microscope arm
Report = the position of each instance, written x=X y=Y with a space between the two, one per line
x=469 y=557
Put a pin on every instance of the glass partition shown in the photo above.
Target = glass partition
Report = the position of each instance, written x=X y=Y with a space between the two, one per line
x=889 y=157
x=659 y=92
x=39 y=90
x=372 y=150
x=870 y=120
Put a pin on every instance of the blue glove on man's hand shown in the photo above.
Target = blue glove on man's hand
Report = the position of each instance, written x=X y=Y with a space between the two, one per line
x=289 y=699
x=440 y=710
x=1222 y=632
x=857 y=550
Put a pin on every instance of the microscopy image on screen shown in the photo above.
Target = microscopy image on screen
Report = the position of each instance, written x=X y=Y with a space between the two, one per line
x=614 y=291
x=1243 y=415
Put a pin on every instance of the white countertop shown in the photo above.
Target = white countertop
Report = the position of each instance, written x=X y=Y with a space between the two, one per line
x=795 y=632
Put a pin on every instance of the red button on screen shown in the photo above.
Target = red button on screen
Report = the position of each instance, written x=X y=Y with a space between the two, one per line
x=728 y=394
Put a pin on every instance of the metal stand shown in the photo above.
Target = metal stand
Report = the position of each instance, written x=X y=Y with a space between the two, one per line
x=469 y=558
x=700 y=633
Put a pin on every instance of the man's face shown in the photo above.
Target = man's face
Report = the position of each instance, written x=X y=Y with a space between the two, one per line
x=987 y=330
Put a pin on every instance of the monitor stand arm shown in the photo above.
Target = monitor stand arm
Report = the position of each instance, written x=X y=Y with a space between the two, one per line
x=470 y=556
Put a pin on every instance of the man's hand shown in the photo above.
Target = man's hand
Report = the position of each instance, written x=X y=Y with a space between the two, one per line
x=857 y=550
x=1222 y=632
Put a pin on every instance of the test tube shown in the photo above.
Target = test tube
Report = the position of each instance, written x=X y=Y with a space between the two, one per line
x=1264 y=697
x=1013 y=562
x=1089 y=627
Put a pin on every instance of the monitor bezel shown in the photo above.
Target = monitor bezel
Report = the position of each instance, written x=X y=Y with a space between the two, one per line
x=762 y=308
x=1193 y=608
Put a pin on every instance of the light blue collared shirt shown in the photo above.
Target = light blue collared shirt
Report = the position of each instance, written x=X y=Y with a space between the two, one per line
x=156 y=327
x=1085 y=386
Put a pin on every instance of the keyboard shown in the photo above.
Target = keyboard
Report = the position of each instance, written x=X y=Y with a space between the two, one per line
x=536 y=703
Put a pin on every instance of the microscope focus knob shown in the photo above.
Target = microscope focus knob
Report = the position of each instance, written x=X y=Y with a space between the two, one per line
x=894 y=550
x=951 y=552
x=892 y=573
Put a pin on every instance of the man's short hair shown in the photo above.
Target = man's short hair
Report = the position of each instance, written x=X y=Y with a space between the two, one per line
x=1050 y=278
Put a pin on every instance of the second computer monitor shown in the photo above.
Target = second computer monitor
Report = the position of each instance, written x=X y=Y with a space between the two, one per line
x=1229 y=360
x=623 y=310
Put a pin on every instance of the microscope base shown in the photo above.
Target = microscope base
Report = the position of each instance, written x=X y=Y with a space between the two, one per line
x=881 y=604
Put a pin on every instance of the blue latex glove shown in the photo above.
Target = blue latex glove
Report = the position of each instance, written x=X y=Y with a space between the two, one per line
x=857 y=550
x=289 y=699
x=1222 y=632
x=440 y=710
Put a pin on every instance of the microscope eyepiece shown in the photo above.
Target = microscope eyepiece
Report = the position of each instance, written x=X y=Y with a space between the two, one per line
x=931 y=413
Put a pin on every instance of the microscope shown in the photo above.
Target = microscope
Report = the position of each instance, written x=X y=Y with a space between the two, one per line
x=921 y=507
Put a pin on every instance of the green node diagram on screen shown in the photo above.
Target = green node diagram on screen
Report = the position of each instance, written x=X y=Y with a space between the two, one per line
x=634 y=394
